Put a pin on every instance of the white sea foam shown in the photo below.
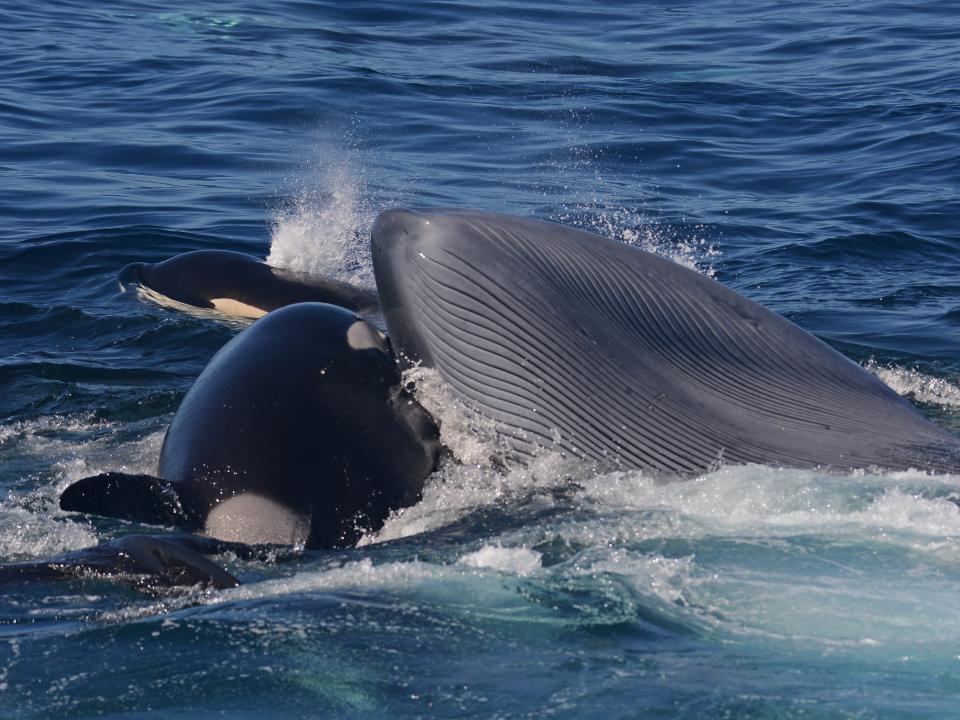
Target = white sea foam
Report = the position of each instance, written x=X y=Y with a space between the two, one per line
x=471 y=437
x=832 y=563
x=835 y=562
x=78 y=445
x=774 y=503
x=324 y=228
x=916 y=385
x=446 y=583
x=517 y=561
x=790 y=556
x=437 y=585
x=137 y=456
x=69 y=447
x=31 y=533
x=650 y=575
x=480 y=472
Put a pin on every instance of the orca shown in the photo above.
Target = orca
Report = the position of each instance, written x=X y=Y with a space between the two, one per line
x=298 y=432
x=239 y=285
x=150 y=561
x=597 y=349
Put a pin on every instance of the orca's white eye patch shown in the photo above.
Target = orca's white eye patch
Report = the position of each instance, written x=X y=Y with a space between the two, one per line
x=363 y=336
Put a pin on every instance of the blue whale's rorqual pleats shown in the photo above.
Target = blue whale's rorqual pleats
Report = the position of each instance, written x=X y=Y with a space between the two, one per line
x=580 y=343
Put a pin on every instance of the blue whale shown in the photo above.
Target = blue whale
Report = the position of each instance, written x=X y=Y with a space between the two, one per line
x=572 y=341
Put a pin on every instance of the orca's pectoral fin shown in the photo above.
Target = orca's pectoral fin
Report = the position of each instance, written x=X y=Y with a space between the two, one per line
x=142 y=498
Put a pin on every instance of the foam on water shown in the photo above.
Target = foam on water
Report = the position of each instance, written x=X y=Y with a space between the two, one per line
x=832 y=564
x=918 y=386
x=471 y=437
x=484 y=580
x=480 y=472
x=29 y=534
x=517 y=561
x=70 y=447
x=786 y=556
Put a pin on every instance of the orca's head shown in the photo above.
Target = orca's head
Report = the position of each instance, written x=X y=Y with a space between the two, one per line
x=183 y=278
x=332 y=442
x=131 y=276
x=210 y=279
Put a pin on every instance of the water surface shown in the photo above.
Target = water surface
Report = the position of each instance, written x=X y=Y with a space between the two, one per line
x=803 y=154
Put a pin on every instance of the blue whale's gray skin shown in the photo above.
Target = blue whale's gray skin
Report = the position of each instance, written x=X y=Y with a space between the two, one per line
x=574 y=341
x=298 y=432
x=240 y=285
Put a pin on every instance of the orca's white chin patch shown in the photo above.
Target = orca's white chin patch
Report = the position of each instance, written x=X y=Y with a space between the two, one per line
x=148 y=293
x=254 y=519
x=235 y=307
x=233 y=310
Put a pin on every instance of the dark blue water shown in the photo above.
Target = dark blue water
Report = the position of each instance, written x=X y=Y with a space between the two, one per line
x=805 y=154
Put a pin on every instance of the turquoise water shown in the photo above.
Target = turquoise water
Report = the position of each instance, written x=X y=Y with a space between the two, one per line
x=804 y=154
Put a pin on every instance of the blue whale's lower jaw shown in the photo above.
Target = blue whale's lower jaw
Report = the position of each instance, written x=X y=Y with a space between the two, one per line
x=567 y=339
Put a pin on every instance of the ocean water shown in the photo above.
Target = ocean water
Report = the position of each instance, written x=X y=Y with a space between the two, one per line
x=804 y=154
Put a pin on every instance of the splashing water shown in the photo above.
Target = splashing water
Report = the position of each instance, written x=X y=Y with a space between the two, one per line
x=471 y=437
x=692 y=250
x=549 y=590
x=325 y=228
x=71 y=447
x=917 y=386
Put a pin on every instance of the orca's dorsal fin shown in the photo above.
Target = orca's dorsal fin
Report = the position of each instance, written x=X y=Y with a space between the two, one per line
x=169 y=562
x=154 y=561
x=142 y=498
